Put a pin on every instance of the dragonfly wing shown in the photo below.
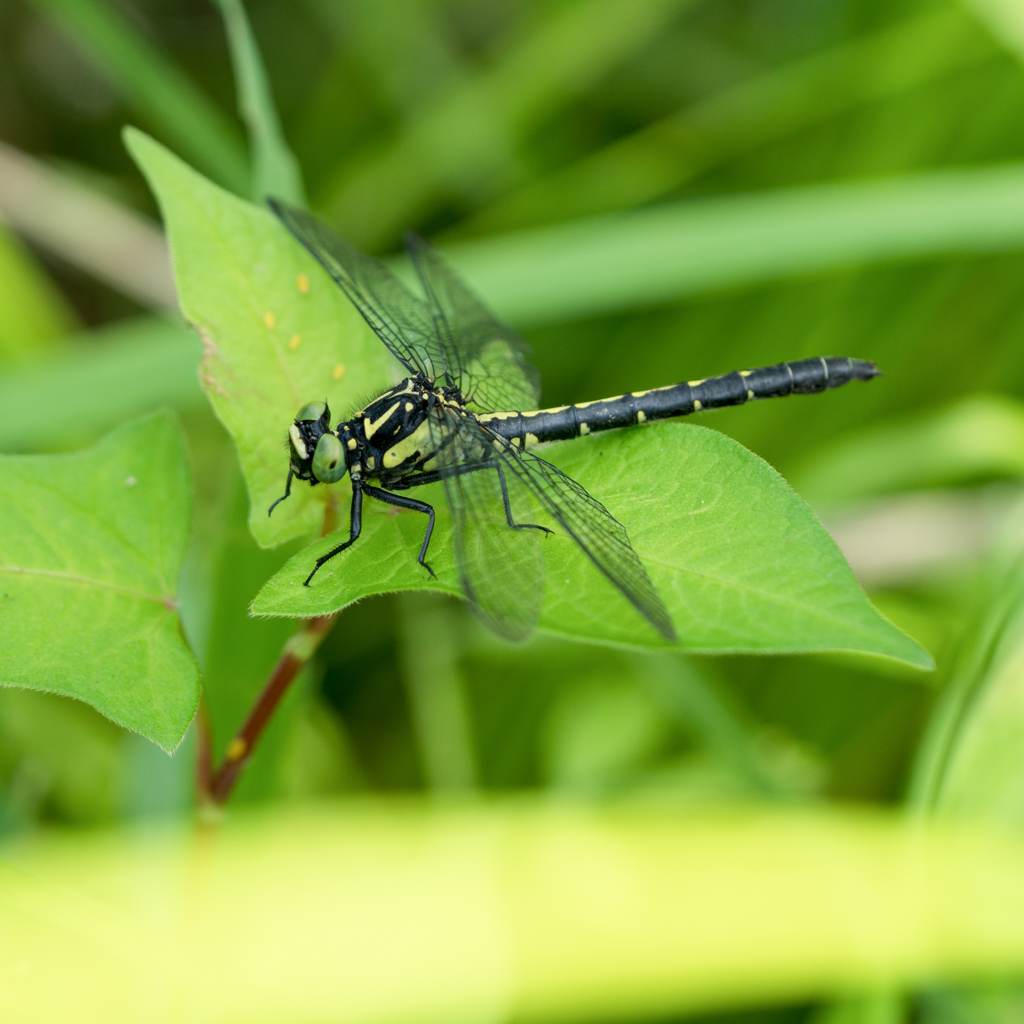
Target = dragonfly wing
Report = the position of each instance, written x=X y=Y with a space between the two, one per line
x=594 y=528
x=405 y=323
x=501 y=570
x=495 y=374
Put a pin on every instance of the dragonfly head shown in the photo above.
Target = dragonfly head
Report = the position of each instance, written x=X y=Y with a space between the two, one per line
x=317 y=454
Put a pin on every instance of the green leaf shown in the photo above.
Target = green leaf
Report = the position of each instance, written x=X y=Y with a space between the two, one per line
x=90 y=553
x=278 y=332
x=399 y=913
x=154 y=86
x=275 y=171
x=739 y=558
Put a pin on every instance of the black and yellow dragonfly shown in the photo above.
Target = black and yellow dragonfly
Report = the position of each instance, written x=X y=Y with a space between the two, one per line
x=459 y=418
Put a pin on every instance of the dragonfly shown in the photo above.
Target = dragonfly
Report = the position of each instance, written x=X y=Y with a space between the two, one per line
x=465 y=415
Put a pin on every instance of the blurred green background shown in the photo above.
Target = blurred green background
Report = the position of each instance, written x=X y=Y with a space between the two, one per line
x=477 y=122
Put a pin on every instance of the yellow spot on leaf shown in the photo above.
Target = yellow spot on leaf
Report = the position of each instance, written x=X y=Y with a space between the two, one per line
x=294 y=341
x=303 y=282
x=339 y=371
x=236 y=749
x=268 y=319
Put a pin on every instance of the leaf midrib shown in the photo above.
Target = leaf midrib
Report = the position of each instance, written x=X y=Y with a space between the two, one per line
x=22 y=570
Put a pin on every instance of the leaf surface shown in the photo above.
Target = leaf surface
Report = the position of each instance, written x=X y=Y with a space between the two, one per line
x=740 y=560
x=277 y=331
x=90 y=553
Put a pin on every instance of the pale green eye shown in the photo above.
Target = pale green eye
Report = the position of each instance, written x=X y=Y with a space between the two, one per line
x=311 y=412
x=329 y=459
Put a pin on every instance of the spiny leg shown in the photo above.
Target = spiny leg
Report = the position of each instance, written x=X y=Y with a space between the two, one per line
x=416 y=506
x=508 y=505
x=355 y=528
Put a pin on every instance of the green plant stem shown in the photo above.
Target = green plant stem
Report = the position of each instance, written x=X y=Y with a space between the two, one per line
x=299 y=649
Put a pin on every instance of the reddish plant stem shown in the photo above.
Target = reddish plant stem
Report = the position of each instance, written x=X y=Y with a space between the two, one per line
x=297 y=652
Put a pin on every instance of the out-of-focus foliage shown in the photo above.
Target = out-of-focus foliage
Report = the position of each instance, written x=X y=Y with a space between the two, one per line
x=776 y=179
x=390 y=913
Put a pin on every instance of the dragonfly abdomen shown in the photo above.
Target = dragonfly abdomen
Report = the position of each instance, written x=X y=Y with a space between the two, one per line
x=801 y=377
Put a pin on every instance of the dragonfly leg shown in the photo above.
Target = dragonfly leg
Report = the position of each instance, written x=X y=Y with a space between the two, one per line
x=355 y=528
x=508 y=506
x=287 y=491
x=411 y=503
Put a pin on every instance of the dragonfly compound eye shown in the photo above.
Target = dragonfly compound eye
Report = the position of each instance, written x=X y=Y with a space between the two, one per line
x=311 y=412
x=329 y=459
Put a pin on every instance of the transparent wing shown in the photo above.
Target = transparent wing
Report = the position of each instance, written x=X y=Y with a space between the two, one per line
x=405 y=323
x=595 y=529
x=495 y=375
x=501 y=570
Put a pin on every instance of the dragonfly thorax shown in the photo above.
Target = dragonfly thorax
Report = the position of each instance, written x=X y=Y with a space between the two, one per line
x=393 y=436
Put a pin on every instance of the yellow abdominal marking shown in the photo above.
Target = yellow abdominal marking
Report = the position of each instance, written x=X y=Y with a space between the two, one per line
x=746 y=373
x=640 y=416
x=750 y=394
x=696 y=383
x=531 y=440
x=371 y=462
x=696 y=406
x=297 y=443
x=640 y=394
x=369 y=429
x=584 y=429
x=351 y=444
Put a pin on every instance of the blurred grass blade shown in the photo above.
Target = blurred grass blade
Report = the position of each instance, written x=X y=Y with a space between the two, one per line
x=1005 y=20
x=682 y=690
x=33 y=312
x=659 y=254
x=665 y=154
x=154 y=87
x=431 y=645
x=113 y=374
x=390 y=913
x=467 y=139
x=979 y=437
x=969 y=763
x=97 y=234
x=275 y=171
